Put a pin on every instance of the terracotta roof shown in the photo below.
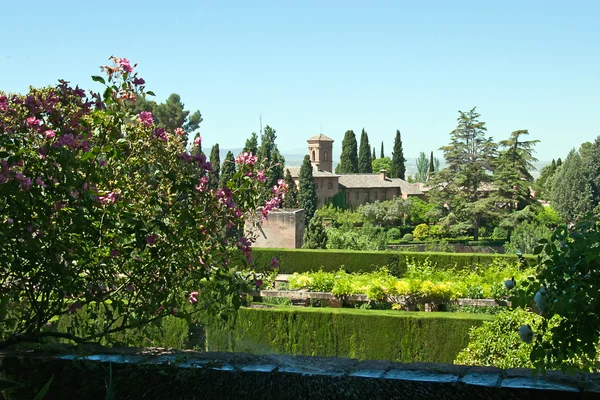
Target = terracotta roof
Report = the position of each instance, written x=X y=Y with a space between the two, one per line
x=321 y=138
x=295 y=172
x=357 y=181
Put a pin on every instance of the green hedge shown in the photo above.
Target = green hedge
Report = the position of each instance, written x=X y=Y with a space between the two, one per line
x=304 y=260
x=362 y=334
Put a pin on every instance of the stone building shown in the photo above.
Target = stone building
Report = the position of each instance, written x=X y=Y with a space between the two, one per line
x=282 y=229
x=356 y=188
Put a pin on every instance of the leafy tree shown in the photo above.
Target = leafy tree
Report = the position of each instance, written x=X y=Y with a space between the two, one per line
x=398 y=169
x=252 y=144
x=544 y=181
x=291 y=196
x=215 y=161
x=267 y=144
x=572 y=193
x=228 y=170
x=364 y=154
x=422 y=168
x=460 y=188
x=315 y=236
x=381 y=155
x=170 y=115
x=307 y=191
x=382 y=163
x=526 y=237
x=349 y=157
x=592 y=168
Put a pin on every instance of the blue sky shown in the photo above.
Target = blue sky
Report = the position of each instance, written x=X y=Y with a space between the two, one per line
x=328 y=66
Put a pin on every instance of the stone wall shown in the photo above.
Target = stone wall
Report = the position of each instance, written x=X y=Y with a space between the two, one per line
x=283 y=229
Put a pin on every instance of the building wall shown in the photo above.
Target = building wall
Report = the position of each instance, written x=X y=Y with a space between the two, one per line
x=359 y=196
x=321 y=155
x=283 y=229
x=327 y=187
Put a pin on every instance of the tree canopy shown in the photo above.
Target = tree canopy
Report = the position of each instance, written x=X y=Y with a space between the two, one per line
x=398 y=169
x=349 y=157
x=364 y=154
x=307 y=190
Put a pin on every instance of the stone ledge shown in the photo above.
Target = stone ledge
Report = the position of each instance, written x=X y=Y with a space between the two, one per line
x=231 y=375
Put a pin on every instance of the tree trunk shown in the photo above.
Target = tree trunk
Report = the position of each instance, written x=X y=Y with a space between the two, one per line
x=476 y=229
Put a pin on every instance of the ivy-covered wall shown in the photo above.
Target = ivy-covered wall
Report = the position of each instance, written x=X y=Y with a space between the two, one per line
x=362 y=334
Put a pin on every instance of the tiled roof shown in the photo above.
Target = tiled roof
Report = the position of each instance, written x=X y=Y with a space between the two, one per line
x=356 y=181
x=320 y=137
x=295 y=172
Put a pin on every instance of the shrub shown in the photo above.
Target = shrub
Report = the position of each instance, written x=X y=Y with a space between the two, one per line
x=421 y=232
x=394 y=234
x=408 y=237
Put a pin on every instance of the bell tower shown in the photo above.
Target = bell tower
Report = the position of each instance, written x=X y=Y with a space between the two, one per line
x=320 y=151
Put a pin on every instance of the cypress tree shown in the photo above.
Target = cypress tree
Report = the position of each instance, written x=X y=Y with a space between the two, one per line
x=431 y=166
x=398 y=160
x=349 y=158
x=381 y=155
x=252 y=144
x=558 y=162
x=364 y=154
x=315 y=236
x=308 y=193
x=228 y=170
x=291 y=196
x=267 y=145
x=275 y=172
x=215 y=161
x=374 y=156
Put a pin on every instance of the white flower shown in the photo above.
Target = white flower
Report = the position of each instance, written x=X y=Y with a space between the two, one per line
x=526 y=333
x=540 y=299
x=510 y=283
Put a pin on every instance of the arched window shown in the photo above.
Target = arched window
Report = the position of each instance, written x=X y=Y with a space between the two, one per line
x=313 y=155
x=325 y=156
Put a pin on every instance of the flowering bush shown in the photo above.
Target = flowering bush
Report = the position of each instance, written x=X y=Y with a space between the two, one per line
x=100 y=208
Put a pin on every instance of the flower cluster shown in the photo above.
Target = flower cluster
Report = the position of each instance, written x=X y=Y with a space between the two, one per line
x=246 y=159
x=245 y=246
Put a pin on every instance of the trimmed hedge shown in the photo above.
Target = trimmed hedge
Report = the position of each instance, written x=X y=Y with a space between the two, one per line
x=304 y=260
x=362 y=334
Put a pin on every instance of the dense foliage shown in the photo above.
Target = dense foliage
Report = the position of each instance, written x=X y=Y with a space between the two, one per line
x=398 y=169
x=101 y=208
x=349 y=157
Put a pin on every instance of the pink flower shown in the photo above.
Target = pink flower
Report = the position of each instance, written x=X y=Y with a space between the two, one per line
x=245 y=158
x=10 y=221
x=2 y=179
x=275 y=263
x=193 y=297
x=102 y=162
x=49 y=134
x=198 y=140
x=161 y=134
x=261 y=176
x=145 y=118
x=3 y=103
x=138 y=81
x=179 y=132
x=65 y=140
x=40 y=182
x=33 y=121
x=151 y=240
x=124 y=63
x=109 y=198
x=131 y=287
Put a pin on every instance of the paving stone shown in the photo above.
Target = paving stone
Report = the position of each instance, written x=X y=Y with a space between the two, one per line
x=420 y=376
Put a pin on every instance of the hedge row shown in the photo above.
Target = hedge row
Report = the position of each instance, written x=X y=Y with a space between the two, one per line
x=304 y=260
x=362 y=334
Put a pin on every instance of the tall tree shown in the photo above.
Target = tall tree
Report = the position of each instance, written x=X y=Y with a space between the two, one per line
x=308 y=192
x=381 y=155
x=291 y=196
x=170 y=115
x=572 y=192
x=267 y=145
x=431 y=170
x=215 y=161
x=461 y=189
x=228 y=170
x=373 y=157
x=349 y=157
x=275 y=172
x=398 y=160
x=364 y=154
x=252 y=144
x=422 y=168
x=315 y=236
x=512 y=176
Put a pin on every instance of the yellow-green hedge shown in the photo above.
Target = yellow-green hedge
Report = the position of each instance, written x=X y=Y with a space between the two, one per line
x=362 y=334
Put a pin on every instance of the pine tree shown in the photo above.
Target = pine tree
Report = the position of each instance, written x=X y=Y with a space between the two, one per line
x=215 y=161
x=228 y=170
x=291 y=196
x=364 y=154
x=422 y=167
x=349 y=158
x=308 y=193
x=558 y=162
x=398 y=160
x=252 y=144
x=267 y=145
x=381 y=155
x=315 y=236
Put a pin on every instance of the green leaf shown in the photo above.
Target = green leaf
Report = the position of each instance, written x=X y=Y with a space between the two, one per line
x=42 y=393
x=100 y=79
x=87 y=155
x=150 y=93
